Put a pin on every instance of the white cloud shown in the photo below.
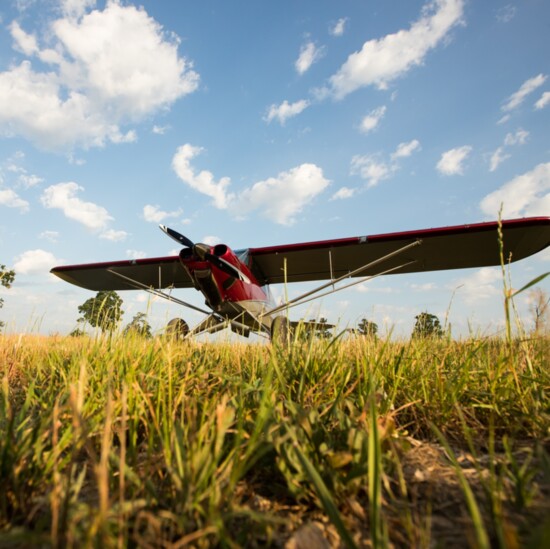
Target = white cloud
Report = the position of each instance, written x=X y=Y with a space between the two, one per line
x=52 y=236
x=309 y=54
x=497 y=158
x=511 y=139
x=28 y=181
x=518 y=138
x=528 y=87
x=108 y=68
x=281 y=198
x=339 y=27
x=211 y=240
x=154 y=214
x=343 y=193
x=113 y=235
x=160 y=130
x=481 y=285
x=506 y=13
x=63 y=197
x=286 y=110
x=370 y=168
x=372 y=119
x=25 y=43
x=383 y=60
x=135 y=254
x=543 y=101
x=451 y=162
x=405 y=150
x=204 y=181
x=525 y=195
x=11 y=199
x=278 y=198
x=35 y=262
x=76 y=8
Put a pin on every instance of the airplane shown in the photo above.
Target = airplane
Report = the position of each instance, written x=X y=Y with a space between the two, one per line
x=235 y=283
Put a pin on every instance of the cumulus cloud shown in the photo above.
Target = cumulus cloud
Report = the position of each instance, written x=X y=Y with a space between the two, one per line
x=543 y=101
x=497 y=158
x=63 y=197
x=339 y=27
x=380 y=61
x=371 y=121
x=35 y=262
x=11 y=199
x=528 y=87
x=452 y=161
x=113 y=235
x=309 y=54
x=154 y=214
x=23 y=42
x=518 y=138
x=343 y=193
x=279 y=198
x=370 y=168
x=483 y=284
x=286 y=110
x=525 y=195
x=405 y=150
x=202 y=182
x=511 y=139
x=374 y=169
x=52 y=236
x=135 y=254
x=106 y=68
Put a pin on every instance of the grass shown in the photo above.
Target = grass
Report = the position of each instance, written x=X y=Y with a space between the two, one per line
x=123 y=441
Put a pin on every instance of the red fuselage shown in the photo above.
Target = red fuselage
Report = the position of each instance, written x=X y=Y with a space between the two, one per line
x=226 y=295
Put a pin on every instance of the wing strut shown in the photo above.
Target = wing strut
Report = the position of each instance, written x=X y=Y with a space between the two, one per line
x=302 y=298
x=139 y=286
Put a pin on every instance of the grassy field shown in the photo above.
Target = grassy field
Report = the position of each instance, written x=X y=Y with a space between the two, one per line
x=116 y=442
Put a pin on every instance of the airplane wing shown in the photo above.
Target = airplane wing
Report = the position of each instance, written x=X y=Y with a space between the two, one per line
x=157 y=272
x=455 y=247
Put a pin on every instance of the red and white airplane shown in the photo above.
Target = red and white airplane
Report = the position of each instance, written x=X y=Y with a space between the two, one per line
x=235 y=283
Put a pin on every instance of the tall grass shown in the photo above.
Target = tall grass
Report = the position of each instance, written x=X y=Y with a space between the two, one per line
x=125 y=441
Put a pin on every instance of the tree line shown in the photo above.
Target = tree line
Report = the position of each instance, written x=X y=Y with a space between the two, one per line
x=104 y=311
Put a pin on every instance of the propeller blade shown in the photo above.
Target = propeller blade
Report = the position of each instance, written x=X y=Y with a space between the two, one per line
x=201 y=251
x=227 y=268
x=177 y=236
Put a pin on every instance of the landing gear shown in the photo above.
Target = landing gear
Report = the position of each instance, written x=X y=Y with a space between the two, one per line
x=177 y=329
x=280 y=331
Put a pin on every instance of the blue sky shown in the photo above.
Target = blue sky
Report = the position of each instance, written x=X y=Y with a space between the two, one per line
x=261 y=123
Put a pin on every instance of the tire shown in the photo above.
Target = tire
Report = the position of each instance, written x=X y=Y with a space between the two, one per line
x=280 y=331
x=177 y=329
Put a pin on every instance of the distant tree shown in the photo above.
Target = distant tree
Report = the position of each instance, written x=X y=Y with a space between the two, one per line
x=139 y=326
x=6 y=280
x=427 y=325
x=314 y=328
x=77 y=332
x=367 y=328
x=103 y=311
x=540 y=308
x=322 y=328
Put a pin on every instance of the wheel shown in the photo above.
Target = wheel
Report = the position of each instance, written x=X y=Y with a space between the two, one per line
x=177 y=329
x=280 y=331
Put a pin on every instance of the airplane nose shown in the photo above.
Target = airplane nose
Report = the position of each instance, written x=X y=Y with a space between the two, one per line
x=200 y=250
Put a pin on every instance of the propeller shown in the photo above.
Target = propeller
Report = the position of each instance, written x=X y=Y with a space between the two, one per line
x=203 y=252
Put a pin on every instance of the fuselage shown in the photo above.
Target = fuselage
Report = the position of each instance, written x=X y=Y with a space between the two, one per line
x=226 y=295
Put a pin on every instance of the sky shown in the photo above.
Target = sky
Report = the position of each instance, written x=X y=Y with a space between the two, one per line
x=256 y=123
